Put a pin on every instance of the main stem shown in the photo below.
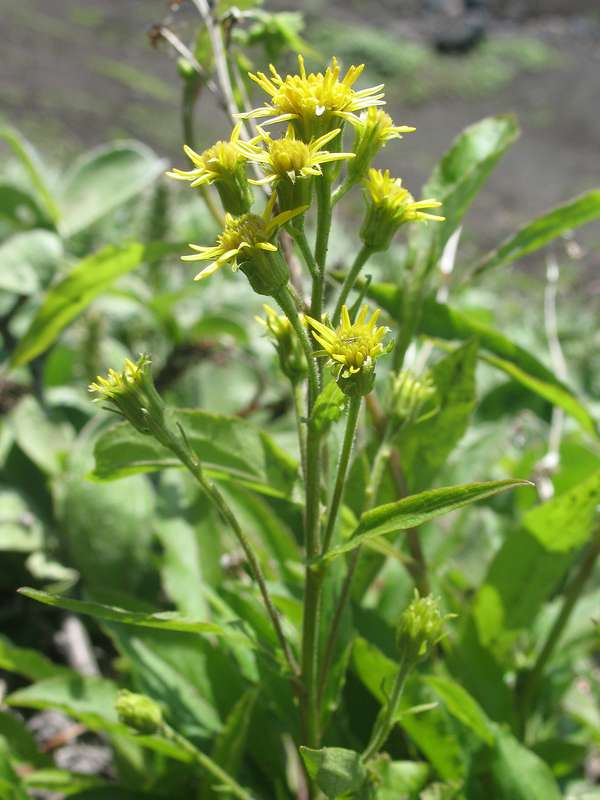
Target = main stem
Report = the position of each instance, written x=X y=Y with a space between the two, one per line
x=360 y=260
x=193 y=465
x=312 y=585
x=342 y=470
x=323 y=190
x=379 y=463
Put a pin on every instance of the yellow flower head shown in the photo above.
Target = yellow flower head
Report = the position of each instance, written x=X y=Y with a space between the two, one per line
x=217 y=163
x=118 y=383
x=132 y=394
x=244 y=242
x=390 y=205
x=373 y=129
x=290 y=157
x=224 y=165
x=353 y=347
x=314 y=102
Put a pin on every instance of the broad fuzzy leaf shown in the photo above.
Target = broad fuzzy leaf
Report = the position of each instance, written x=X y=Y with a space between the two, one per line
x=335 y=770
x=229 y=447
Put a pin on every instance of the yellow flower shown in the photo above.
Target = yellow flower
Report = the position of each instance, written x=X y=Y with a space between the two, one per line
x=290 y=157
x=353 y=347
x=373 y=129
x=118 y=383
x=390 y=205
x=224 y=165
x=314 y=102
x=244 y=242
x=132 y=394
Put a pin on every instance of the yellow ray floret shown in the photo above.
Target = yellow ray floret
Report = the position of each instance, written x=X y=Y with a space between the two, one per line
x=289 y=156
x=220 y=161
x=315 y=97
x=352 y=346
x=241 y=237
x=118 y=383
x=389 y=194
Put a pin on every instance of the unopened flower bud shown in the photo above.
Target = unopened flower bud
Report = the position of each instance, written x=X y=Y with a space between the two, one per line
x=420 y=628
x=139 y=712
x=132 y=394
x=289 y=350
x=413 y=399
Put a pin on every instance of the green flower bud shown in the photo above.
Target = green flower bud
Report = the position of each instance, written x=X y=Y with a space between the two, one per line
x=413 y=399
x=289 y=349
x=132 y=394
x=420 y=628
x=266 y=271
x=139 y=712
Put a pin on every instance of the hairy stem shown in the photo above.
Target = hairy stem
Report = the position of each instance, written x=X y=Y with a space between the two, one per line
x=387 y=717
x=299 y=236
x=361 y=257
x=342 y=470
x=189 y=460
x=300 y=414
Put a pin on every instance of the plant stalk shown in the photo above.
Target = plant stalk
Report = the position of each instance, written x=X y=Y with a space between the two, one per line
x=361 y=258
x=323 y=191
x=387 y=717
x=189 y=460
x=342 y=470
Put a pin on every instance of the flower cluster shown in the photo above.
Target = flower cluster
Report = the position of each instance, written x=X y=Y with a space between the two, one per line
x=289 y=350
x=316 y=106
x=421 y=627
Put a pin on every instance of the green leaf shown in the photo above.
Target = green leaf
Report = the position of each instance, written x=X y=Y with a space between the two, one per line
x=457 y=178
x=29 y=663
x=462 y=706
x=34 y=168
x=103 y=179
x=519 y=774
x=19 y=207
x=400 y=779
x=45 y=441
x=11 y=786
x=61 y=781
x=163 y=620
x=440 y=321
x=20 y=530
x=578 y=211
x=28 y=260
x=228 y=447
x=91 y=700
x=335 y=770
x=549 y=390
x=68 y=298
x=426 y=445
x=419 y=508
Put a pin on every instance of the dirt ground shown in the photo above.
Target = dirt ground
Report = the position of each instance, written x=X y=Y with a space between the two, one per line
x=76 y=74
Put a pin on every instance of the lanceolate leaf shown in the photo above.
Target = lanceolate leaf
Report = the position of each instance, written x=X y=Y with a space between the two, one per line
x=166 y=620
x=229 y=447
x=70 y=296
x=441 y=321
x=456 y=180
x=578 y=211
x=419 y=508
